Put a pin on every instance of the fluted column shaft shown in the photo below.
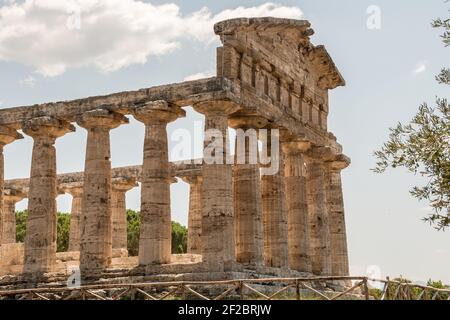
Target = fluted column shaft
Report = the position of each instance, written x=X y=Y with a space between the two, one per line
x=275 y=214
x=194 y=242
x=96 y=235
x=247 y=192
x=7 y=135
x=2 y=183
x=9 y=215
x=155 y=242
x=8 y=231
x=318 y=217
x=119 y=239
x=296 y=200
x=338 y=234
x=119 y=211
x=75 y=217
x=218 y=239
x=40 y=240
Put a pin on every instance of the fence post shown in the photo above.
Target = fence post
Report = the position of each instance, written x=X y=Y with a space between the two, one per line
x=241 y=290
x=366 y=289
x=297 y=289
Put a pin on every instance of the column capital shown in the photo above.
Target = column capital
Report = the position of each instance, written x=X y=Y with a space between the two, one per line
x=74 y=189
x=193 y=178
x=47 y=127
x=8 y=135
x=154 y=112
x=101 y=118
x=247 y=122
x=216 y=107
x=14 y=195
x=339 y=163
x=296 y=147
x=320 y=154
x=122 y=184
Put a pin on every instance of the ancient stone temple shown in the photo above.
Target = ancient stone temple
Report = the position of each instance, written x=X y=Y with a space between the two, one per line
x=290 y=222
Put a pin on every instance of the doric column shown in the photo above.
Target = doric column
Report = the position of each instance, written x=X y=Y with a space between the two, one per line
x=155 y=242
x=76 y=191
x=295 y=186
x=335 y=202
x=95 y=238
x=218 y=243
x=194 y=243
x=7 y=135
x=275 y=212
x=318 y=211
x=247 y=191
x=40 y=240
x=120 y=187
x=11 y=197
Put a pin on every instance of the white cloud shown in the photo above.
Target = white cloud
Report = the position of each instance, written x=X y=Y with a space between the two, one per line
x=29 y=81
x=200 y=75
x=55 y=35
x=421 y=67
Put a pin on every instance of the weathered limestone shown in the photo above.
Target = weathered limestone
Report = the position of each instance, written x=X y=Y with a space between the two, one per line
x=120 y=187
x=7 y=135
x=275 y=213
x=318 y=211
x=269 y=74
x=96 y=241
x=8 y=232
x=40 y=240
x=218 y=242
x=296 y=200
x=335 y=204
x=76 y=191
x=155 y=229
x=247 y=191
x=194 y=242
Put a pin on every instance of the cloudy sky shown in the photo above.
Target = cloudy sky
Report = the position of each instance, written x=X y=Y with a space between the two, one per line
x=54 y=50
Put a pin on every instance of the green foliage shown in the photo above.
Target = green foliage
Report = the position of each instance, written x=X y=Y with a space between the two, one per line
x=376 y=293
x=133 y=232
x=179 y=232
x=411 y=293
x=423 y=147
x=63 y=228
x=21 y=225
x=179 y=238
x=445 y=25
x=179 y=235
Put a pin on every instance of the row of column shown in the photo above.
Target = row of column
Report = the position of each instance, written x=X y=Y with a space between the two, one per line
x=293 y=219
x=92 y=208
x=120 y=186
x=280 y=221
x=7 y=136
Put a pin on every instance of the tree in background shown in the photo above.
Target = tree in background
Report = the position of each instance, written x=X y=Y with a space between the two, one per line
x=179 y=238
x=179 y=235
x=21 y=225
x=133 y=232
x=179 y=232
x=423 y=147
x=63 y=228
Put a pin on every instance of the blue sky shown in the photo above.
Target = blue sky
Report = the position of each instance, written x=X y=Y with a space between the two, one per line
x=389 y=72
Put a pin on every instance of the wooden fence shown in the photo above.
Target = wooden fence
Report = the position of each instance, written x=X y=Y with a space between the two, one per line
x=248 y=289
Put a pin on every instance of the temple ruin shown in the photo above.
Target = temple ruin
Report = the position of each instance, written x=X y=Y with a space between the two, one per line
x=269 y=75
